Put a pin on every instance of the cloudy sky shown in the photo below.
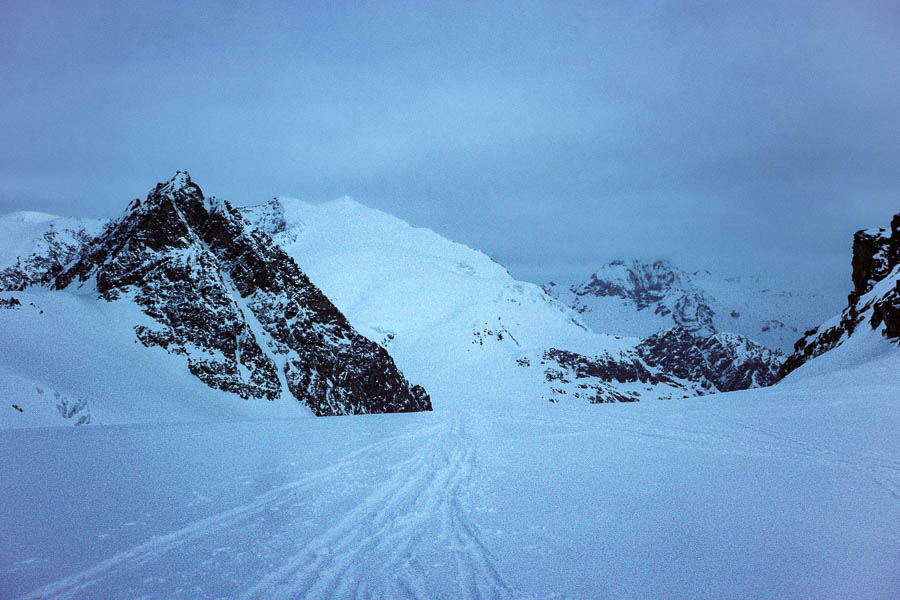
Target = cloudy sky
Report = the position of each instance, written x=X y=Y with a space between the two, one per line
x=739 y=136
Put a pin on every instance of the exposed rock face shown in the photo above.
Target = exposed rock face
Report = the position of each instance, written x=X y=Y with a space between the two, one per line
x=594 y=376
x=10 y=303
x=724 y=361
x=687 y=362
x=875 y=298
x=871 y=264
x=638 y=299
x=222 y=294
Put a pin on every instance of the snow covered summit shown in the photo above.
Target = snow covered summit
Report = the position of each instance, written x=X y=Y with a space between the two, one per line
x=457 y=321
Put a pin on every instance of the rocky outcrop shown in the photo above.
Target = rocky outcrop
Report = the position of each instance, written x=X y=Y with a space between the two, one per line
x=638 y=299
x=874 y=301
x=722 y=362
x=685 y=362
x=594 y=378
x=222 y=294
x=58 y=246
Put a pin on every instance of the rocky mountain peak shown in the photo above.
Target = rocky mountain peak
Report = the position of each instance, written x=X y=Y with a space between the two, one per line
x=180 y=182
x=226 y=297
x=269 y=217
x=642 y=282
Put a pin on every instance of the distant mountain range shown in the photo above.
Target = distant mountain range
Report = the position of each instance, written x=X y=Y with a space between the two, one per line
x=638 y=298
x=186 y=307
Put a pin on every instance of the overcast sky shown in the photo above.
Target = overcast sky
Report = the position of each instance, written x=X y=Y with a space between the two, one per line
x=744 y=136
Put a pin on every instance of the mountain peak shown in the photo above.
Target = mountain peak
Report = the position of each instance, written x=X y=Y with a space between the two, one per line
x=180 y=181
x=221 y=293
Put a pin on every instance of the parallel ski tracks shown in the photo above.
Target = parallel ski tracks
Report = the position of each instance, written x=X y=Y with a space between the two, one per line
x=379 y=549
x=385 y=547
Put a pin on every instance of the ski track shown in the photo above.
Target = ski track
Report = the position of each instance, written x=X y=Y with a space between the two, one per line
x=380 y=549
x=410 y=536
x=69 y=587
x=372 y=551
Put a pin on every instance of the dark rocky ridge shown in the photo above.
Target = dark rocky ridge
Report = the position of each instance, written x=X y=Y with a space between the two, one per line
x=725 y=362
x=680 y=358
x=224 y=295
x=875 y=297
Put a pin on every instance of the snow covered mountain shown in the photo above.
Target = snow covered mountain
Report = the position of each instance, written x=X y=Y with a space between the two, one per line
x=458 y=322
x=209 y=300
x=785 y=492
x=226 y=300
x=873 y=305
x=638 y=298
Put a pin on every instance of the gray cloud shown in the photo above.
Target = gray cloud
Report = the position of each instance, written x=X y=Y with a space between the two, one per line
x=555 y=136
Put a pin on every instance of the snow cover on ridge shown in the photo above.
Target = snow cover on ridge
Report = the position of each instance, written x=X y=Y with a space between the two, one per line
x=450 y=316
x=458 y=322
x=34 y=246
x=639 y=298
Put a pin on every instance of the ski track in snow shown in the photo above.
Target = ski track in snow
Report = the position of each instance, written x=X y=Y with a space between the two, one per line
x=70 y=586
x=420 y=500
x=372 y=551
x=393 y=518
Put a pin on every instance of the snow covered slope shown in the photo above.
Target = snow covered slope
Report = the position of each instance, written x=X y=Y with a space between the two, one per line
x=791 y=491
x=65 y=356
x=638 y=299
x=457 y=321
x=34 y=247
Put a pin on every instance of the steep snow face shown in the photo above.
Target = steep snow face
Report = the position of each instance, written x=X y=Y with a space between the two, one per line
x=638 y=299
x=873 y=305
x=455 y=319
x=245 y=318
x=35 y=247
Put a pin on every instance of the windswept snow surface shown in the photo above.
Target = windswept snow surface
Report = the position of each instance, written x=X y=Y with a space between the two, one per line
x=784 y=492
